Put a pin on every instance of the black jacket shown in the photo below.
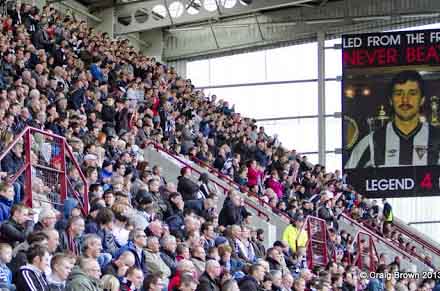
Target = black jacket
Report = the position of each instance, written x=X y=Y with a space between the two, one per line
x=30 y=278
x=206 y=283
x=170 y=260
x=230 y=214
x=248 y=283
x=12 y=233
x=187 y=188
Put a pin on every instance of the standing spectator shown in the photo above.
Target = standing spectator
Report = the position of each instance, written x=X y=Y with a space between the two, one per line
x=294 y=235
x=209 y=279
x=31 y=277
x=231 y=212
x=186 y=186
x=85 y=276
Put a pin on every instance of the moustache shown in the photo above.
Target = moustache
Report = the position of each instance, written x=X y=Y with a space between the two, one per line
x=405 y=106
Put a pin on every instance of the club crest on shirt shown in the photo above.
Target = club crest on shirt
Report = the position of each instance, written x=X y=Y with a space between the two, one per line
x=420 y=150
x=391 y=153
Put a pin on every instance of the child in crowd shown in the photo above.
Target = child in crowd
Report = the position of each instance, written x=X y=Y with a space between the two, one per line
x=5 y=272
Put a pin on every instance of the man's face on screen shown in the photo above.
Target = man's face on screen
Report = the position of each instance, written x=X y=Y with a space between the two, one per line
x=407 y=100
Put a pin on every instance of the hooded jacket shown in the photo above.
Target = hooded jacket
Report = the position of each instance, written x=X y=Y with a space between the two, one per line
x=29 y=278
x=80 y=281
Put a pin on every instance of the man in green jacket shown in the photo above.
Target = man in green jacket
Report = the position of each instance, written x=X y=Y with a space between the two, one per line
x=85 y=276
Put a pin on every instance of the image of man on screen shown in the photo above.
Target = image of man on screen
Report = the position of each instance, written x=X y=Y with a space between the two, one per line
x=405 y=140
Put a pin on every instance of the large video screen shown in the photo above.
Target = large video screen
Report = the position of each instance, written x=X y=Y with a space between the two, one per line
x=391 y=114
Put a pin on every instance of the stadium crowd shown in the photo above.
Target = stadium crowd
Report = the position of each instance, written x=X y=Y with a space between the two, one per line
x=142 y=232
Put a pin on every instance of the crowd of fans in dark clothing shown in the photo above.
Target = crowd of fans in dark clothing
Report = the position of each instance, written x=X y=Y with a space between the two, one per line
x=142 y=232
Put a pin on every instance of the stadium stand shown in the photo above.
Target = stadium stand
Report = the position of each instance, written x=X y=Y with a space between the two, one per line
x=100 y=148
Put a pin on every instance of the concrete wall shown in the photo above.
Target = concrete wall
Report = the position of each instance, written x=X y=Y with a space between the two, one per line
x=155 y=39
x=107 y=16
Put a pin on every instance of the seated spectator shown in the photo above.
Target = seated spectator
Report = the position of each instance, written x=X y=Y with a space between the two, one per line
x=153 y=282
x=253 y=280
x=110 y=283
x=184 y=268
x=5 y=272
x=47 y=219
x=85 y=276
x=187 y=283
x=133 y=280
x=118 y=267
x=153 y=261
x=71 y=237
x=137 y=241
x=31 y=276
x=168 y=251
x=208 y=281
x=15 y=230
x=198 y=257
x=61 y=266
x=6 y=200
x=105 y=219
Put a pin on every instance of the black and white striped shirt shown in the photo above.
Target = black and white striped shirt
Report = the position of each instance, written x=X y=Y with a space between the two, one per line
x=389 y=147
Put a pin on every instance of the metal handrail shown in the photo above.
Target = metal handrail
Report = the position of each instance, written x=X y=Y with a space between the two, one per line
x=418 y=239
x=381 y=239
x=225 y=190
x=65 y=151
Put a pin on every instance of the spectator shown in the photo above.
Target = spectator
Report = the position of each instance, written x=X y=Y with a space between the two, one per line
x=110 y=283
x=153 y=261
x=6 y=200
x=105 y=220
x=137 y=241
x=15 y=230
x=31 y=276
x=168 y=251
x=61 y=266
x=198 y=258
x=253 y=280
x=85 y=276
x=188 y=283
x=5 y=272
x=186 y=186
x=231 y=212
x=184 y=267
x=153 y=282
x=46 y=219
x=295 y=235
x=133 y=280
x=71 y=237
x=118 y=267
x=209 y=279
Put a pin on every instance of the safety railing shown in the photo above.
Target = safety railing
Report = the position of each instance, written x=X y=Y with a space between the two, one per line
x=193 y=169
x=38 y=164
x=416 y=238
x=401 y=252
x=317 y=252
x=366 y=253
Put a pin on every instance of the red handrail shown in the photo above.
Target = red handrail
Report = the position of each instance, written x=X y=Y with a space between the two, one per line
x=371 y=249
x=377 y=237
x=416 y=238
x=225 y=190
x=26 y=168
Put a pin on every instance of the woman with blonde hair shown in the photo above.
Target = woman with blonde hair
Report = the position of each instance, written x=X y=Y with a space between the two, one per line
x=110 y=283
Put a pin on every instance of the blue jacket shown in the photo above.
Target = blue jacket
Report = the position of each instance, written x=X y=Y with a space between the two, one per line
x=5 y=208
x=139 y=261
x=96 y=72
x=5 y=274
